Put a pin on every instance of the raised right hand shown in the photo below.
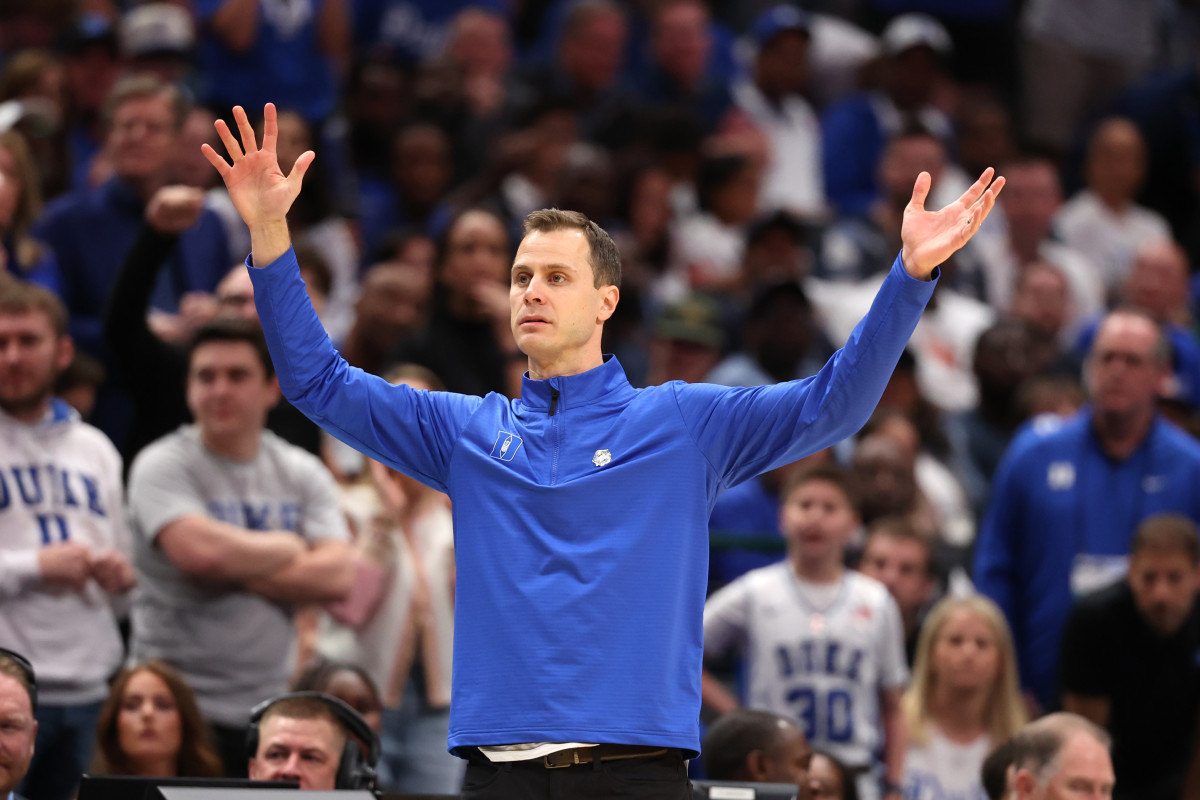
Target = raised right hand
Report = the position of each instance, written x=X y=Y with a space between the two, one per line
x=68 y=565
x=260 y=191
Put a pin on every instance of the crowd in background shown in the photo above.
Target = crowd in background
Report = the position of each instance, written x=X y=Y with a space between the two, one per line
x=753 y=162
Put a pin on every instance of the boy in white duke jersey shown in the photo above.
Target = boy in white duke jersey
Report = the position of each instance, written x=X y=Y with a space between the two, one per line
x=64 y=543
x=819 y=643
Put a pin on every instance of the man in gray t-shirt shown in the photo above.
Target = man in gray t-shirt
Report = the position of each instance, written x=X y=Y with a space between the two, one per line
x=233 y=528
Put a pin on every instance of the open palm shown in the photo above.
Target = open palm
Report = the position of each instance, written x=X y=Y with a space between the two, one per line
x=257 y=186
x=930 y=237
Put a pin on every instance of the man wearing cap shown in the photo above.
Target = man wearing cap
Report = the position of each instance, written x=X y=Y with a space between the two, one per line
x=687 y=341
x=773 y=99
x=856 y=129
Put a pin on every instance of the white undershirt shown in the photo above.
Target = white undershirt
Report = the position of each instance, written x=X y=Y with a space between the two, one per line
x=527 y=751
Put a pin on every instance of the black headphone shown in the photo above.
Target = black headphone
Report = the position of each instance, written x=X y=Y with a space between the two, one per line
x=30 y=678
x=354 y=771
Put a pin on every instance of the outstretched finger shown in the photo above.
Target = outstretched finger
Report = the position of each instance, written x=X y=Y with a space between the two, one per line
x=300 y=167
x=245 y=129
x=920 y=192
x=227 y=138
x=215 y=159
x=270 y=127
x=975 y=191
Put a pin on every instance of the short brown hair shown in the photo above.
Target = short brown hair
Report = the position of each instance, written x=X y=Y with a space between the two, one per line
x=197 y=756
x=305 y=708
x=21 y=297
x=228 y=329
x=143 y=86
x=604 y=256
x=829 y=473
x=1167 y=533
x=899 y=527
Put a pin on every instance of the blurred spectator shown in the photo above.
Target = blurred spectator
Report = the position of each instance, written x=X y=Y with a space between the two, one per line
x=410 y=31
x=191 y=168
x=20 y=205
x=480 y=43
x=34 y=101
x=773 y=97
x=150 y=725
x=254 y=52
x=708 y=245
x=18 y=693
x=420 y=170
x=79 y=382
x=963 y=698
x=1161 y=107
x=830 y=779
x=743 y=529
x=901 y=558
x=885 y=469
x=586 y=183
x=780 y=341
x=468 y=337
x=855 y=130
x=586 y=74
x=1157 y=287
x=1075 y=58
x=1031 y=198
x=233 y=528
x=314 y=223
x=63 y=567
x=404 y=640
x=158 y=38
x=682 y=72
x=757 y=747
x=347 y=682
x=1042 y=300
x=1004 y=360
x=93 y=68
x=646 y=243
x=1069 y=494
x=391 y=307
x=377 y=100
x=91 y=230
x=1128 y=660
x=1059 y=756
x=777 y=251
x=818 y=642
x=1103 y=222
x=687 y=341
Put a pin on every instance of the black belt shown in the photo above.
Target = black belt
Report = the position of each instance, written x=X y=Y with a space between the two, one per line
x=601 y=752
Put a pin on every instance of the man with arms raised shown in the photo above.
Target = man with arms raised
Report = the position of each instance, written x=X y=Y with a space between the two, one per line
x=580 y=508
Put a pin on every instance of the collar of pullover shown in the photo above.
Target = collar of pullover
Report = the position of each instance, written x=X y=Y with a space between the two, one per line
x=606 y=381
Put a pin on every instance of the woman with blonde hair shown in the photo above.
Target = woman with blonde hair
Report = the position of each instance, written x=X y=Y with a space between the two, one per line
x=150 y=725
x=963 y=700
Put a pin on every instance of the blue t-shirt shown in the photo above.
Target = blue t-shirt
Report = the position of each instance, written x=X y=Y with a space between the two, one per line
x=1057 y=499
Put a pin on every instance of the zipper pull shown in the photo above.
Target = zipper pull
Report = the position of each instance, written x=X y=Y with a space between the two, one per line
x=553 y=400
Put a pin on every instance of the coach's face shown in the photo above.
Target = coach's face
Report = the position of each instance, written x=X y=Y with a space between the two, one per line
x=557 y=311
x=18 y=729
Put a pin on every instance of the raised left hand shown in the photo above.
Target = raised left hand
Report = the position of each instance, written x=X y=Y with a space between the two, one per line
x=931 y=237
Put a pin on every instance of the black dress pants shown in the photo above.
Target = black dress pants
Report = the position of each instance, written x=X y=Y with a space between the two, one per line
x=662 y=777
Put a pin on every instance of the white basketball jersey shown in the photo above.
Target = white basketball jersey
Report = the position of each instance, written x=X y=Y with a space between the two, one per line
x=819 y=654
